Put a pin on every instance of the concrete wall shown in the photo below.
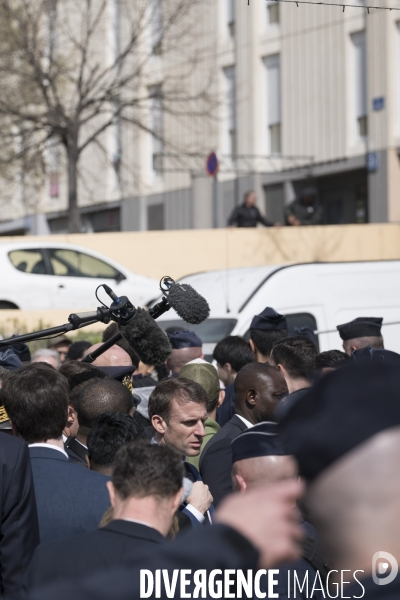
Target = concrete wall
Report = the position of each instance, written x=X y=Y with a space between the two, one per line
x=178 y=253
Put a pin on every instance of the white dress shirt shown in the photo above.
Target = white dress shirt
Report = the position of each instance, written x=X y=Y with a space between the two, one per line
x=245 y=421
x=52 y=446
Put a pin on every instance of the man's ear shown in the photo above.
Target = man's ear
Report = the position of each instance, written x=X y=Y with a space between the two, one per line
x=251 y=396
x=253 y=347
x=221 y=398
x=111 y=492
x=228 y=368
x=71 y=416
x=159 y=424
x=241 y=483
x=282 y=370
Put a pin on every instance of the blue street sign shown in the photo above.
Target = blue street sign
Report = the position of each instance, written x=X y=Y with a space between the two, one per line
x=378 y=103
x=212 y=164
x=372 y=162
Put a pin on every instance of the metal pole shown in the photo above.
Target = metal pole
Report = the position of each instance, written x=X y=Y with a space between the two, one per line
x=215 y=202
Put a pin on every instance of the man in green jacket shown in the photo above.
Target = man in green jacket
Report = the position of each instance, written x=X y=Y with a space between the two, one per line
x=206 y=375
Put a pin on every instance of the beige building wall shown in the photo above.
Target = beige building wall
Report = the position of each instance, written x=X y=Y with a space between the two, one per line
x=318 y=119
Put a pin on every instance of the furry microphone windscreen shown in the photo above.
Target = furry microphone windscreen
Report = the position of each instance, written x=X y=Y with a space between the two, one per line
x=190 y=306
x=147 y=339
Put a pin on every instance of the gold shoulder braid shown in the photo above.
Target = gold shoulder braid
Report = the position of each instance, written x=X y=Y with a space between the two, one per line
x=127 y=382
x=3 y=415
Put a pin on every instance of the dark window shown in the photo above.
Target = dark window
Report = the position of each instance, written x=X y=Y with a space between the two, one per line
x=210 y=331
x=273 y=13
x=155 y=217
x=28 y=261
x=69 y=263
x=274 y=202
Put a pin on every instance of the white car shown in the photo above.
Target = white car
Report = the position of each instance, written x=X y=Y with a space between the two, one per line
x=40 y=275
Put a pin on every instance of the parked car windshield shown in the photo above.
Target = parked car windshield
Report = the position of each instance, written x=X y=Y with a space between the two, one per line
x=210 y=331
x=28 y=261
x=69 y=263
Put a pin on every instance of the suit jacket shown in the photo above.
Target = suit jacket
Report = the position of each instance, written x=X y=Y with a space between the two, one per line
x=227 y=409
x=75 y=451
x=19 y=532
x=216 y=460
x=193 y=475
x=98 y=550
x=70 y=500
x=217 y=547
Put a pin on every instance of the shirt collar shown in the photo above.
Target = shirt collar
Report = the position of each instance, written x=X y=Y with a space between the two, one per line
x=136 y=521
x=245 y=421
x=43 y=445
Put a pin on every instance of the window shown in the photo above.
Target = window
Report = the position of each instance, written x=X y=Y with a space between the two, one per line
x=155 y=217
x=28 y=261
x=155 y=25
x=274 y=202
x=156 y=127
x=69 y=263
x=273 y=12
x=359 y=78
x=231 y=17
x=210 y=331
x=273 y=102
x=230 y=121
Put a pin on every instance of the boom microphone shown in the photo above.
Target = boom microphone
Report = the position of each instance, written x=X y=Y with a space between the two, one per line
x=147 y=339
x=189 y=304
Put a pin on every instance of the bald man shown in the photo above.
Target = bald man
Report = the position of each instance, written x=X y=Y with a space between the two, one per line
x=258 y=389
x=113 y=357
x=261 y=470
x=363 y=490
x=348 y=453
x=260 y=458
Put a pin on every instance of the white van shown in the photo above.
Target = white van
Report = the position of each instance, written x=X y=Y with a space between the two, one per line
x=320 y=295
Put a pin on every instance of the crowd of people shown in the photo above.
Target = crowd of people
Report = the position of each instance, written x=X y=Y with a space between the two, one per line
x=270 y=458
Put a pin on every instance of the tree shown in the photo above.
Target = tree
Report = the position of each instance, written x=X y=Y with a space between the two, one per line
x=72 y=69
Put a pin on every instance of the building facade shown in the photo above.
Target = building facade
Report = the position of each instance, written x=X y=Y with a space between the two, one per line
x=298 y=96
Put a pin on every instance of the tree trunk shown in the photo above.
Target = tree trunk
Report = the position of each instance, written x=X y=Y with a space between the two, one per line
x=74 y=217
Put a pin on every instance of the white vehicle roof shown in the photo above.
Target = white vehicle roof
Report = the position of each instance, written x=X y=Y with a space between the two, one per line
x=226 y=290
x=319 y=295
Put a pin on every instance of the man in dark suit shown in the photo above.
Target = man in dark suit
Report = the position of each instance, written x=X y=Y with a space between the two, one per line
x=70 y=500
x=178 y=411
x=296 y=358
x=145 y=493
x=232 y=353
x=254 y=530
x=258 y=389
x=19 y=531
